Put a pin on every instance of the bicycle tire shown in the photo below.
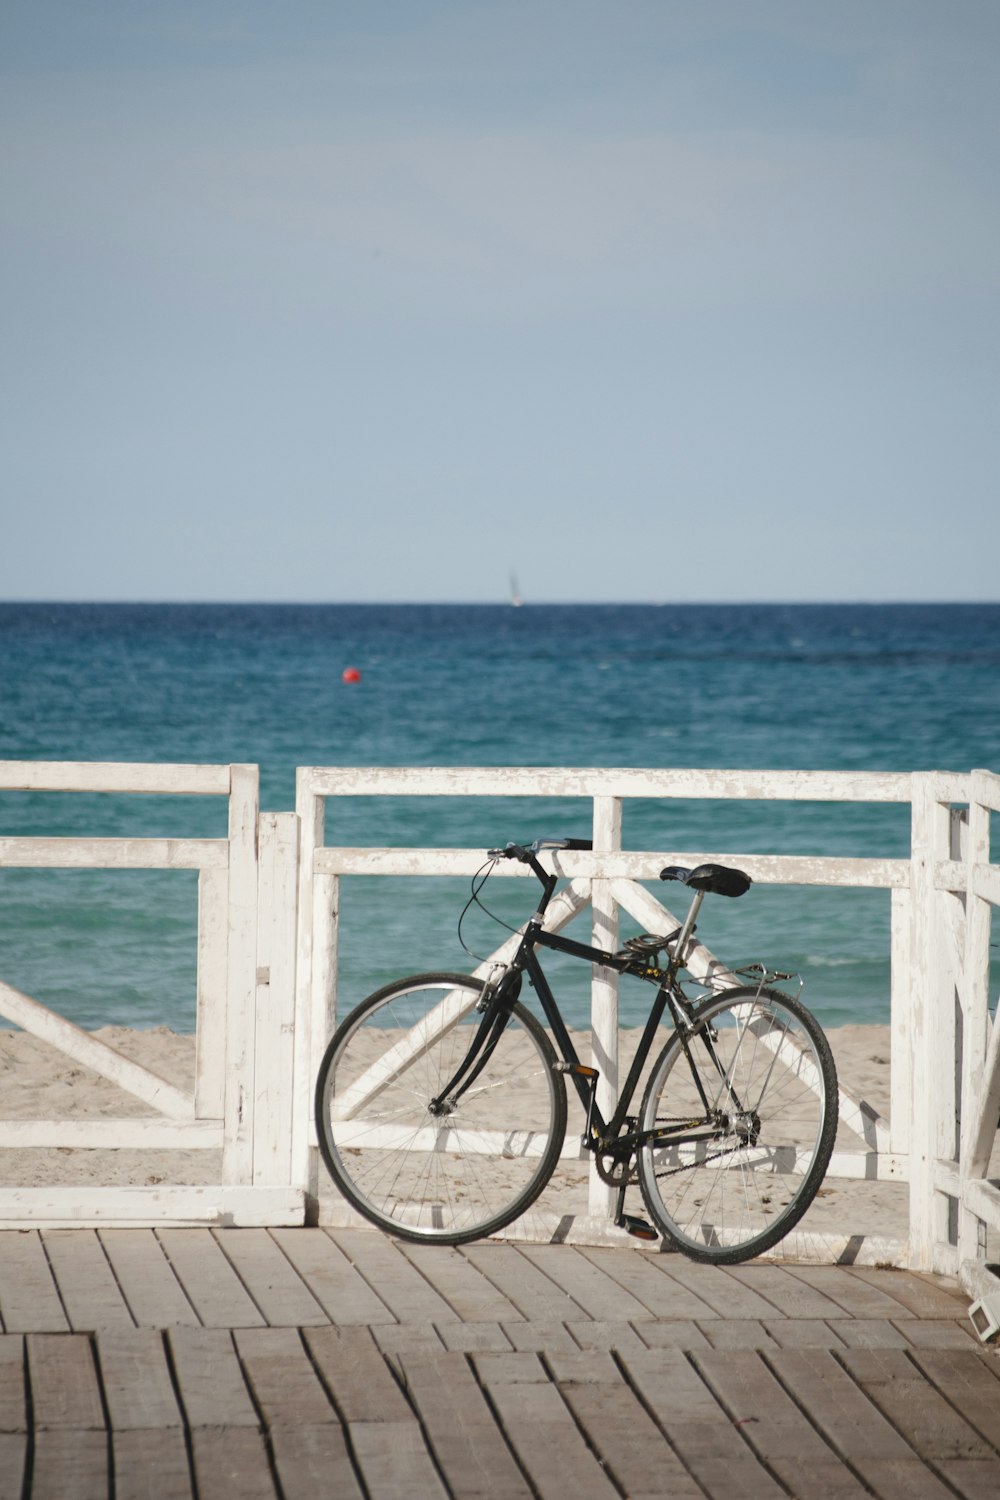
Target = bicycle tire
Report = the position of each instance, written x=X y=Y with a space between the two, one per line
x=738 y=1189
x=445 y=1179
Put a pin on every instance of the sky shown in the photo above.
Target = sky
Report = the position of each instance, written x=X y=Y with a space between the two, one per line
x=363 y=300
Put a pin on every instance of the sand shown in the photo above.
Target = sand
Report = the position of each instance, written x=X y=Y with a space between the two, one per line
x=39 y=1082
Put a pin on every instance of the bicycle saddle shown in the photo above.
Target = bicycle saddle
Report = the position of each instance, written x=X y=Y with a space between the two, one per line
x=719 y=879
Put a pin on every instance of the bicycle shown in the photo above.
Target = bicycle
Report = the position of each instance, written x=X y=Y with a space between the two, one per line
x=441 y=1104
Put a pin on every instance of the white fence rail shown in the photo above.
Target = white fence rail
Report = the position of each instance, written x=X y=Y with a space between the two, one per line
x=267 y=980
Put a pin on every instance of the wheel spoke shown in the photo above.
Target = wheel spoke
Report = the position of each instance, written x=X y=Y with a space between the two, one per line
x=737 y=1191
x=451 y=1174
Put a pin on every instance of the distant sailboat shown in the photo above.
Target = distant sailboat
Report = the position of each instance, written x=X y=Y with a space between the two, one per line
x=515 y=592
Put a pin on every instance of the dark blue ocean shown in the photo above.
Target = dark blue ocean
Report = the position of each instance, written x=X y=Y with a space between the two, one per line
x=839 y=687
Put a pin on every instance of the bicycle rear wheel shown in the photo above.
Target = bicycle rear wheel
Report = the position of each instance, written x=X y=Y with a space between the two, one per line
x=754 y=1100
x=447 y=1176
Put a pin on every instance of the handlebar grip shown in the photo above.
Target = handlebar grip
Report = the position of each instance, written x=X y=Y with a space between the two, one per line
x=510 y=851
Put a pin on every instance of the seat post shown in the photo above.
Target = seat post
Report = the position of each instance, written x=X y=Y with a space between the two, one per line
x=680 y=947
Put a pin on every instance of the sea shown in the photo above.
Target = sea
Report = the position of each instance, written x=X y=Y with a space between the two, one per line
x=763 y=686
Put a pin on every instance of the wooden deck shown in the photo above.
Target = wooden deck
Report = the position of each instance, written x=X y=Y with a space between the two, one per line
x=195 y=1363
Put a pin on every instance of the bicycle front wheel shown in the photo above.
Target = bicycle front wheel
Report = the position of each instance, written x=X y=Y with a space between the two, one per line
x=749 y=1099
x=449 y=1175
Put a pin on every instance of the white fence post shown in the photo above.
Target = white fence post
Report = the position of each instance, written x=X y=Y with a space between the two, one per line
x=274 y=1040
x=213 y=968
x=607 y=830
x=237 y=1152
x=932 y=1028
x=980 y=1090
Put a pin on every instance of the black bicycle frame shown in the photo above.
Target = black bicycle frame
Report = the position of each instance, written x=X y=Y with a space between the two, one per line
x=604 y=1135
x=603 y=1131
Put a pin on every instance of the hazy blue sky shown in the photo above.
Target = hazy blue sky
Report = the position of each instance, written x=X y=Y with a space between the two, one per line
x=377 y=299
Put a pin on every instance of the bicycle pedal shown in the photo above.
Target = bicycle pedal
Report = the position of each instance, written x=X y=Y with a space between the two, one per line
x=637 y=1227
x=578 y=1070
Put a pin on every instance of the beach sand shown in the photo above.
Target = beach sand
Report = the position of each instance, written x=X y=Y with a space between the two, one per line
x=38 y=1082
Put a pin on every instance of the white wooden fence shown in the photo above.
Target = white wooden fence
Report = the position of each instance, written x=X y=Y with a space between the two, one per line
x=244 y=1040
x=267 y=982
x=945 y=1049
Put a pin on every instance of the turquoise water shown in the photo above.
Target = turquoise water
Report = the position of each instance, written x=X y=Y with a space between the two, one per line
x=768 y=686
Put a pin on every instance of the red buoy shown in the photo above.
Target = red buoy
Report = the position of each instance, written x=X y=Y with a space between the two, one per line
x=350 y=674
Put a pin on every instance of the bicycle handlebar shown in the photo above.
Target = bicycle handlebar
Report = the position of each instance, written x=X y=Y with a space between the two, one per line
x=524 y=852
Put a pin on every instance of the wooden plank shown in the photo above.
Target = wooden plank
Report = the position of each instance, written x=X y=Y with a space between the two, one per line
x=599 y=1295
x=210 y=1025
x=241 y=972
x=672 y=1334
x=340 y=1290
x=641 y=1274
x=128 y=1207
x=400 y=1286
x=773 y=1426
x=535 y=1295
x=154 y=1295
x=358 y=1378
x=806 y=1333
x=270 y=1278
x=135 y=1375
x=313 y=1460
x=113 y=854
x=628 y=1442
x=929 y=1423
x=922 y=1296
x=709 y=1446
x=562 y=781
x=90 y=1052
x=134 y=1132
x=466 y=1441
x=210 y=1380
x=13 y=1459
x=970 y=1383
x=583 y=1367
x=409 y=1338
x=13 y=1413
x=151 y=1465
x=854 y=1427
x=470 y=1294
x=726 y=1294
x=468 y=1337
x=274 y=1038
x=282 y=1378
x=65 y=1391
x=90 y=1294
x=29 y=1300
x=510 y=1369
x=792 y=1297
x=939 y=1334
x=209 y=1281
x=598 y=1334
x=70 y=1465
x=114 y=776
x=541 y=1429
x=604 y=986
x=315 y=978
x=534 y=1336
x=873 y=1333
x=738 y=1333
x=233 y=1461
x=858 y=1298
x=394 y=1461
